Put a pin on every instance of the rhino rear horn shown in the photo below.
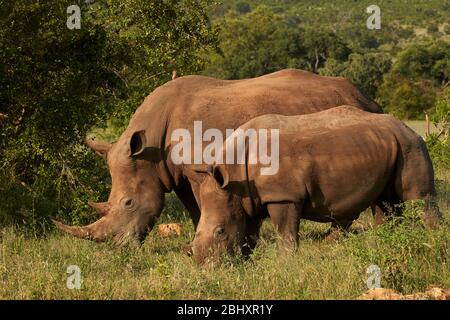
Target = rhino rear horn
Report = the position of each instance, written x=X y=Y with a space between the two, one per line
x=101 y=148
x=102 y=208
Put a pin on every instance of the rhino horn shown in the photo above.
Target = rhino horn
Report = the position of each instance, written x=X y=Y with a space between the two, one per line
x=95 y=231
x=101 y=148
x=102 y=208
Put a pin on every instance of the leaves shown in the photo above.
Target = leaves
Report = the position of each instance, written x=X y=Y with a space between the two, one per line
x=57 y=84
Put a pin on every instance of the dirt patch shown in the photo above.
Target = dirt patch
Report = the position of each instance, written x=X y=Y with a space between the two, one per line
x=169 y=229
x=432 y=293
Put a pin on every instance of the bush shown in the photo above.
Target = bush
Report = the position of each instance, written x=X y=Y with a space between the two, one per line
x=419 y=74
x=59 y=83
x=364 y=70
x=403 y=249
x=439 y=143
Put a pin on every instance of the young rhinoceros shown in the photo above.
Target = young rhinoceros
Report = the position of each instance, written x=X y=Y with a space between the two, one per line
x=332 y=166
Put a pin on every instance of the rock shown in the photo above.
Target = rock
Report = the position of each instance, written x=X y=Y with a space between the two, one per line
x=380 y=294
x=437 y=293
x=432 y=293
x=169 y=229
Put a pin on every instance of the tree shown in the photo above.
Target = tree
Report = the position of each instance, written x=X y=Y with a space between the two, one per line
x=364 y=70
x=319 y=46
x=419 y=73
x=428 y=60
x=58 y=83
x=439 y=143
x=250 y=45
x=405 y=98
x=262 y=41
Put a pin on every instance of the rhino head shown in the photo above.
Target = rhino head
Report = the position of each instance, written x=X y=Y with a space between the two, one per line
x=137 y=196
x=222 y=221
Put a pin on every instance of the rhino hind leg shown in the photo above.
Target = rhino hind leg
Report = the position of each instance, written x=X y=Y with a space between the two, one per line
x=286 y=219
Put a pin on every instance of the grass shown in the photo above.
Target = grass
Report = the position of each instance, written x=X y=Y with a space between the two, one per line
x=33 y=265
x=410 y=258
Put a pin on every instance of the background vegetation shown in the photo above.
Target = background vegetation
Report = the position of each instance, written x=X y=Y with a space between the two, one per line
x=59 y=85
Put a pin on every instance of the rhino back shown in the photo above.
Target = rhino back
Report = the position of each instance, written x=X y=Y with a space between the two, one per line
x=226 y=104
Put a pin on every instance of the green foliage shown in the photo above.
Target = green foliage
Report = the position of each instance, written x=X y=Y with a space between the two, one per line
x=263 y=41
x=252 y=44
x=439 y=143
x=402 y=71
x=416 y=77
x=364 y=70
x=400 y=246
x=319 y=46
x=58 y=83
x=425 y=61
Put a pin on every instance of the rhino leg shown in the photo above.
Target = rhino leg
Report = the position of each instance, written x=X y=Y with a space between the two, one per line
x=378 y=215
x=337 y=228
x=252 y=227
x=188 y=199
x=186 y=195
x=286 y=219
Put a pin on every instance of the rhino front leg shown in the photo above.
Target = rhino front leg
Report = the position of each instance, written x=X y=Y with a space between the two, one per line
x=378 y=215
x=286 y=218
x=252 y=227
x=337 y=228
x=187 y=197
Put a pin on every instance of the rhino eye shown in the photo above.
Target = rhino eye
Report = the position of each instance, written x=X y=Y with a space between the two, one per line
x=219 y=233
x=127 y=203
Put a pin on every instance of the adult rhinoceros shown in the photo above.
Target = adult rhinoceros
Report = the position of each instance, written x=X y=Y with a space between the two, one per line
x=140 y=163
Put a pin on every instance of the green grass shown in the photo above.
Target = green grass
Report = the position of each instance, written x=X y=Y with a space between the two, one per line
x=33 y=264
x=410 y=258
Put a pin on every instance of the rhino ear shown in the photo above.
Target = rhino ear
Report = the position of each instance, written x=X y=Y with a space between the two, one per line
x=220 y=174
x=100 y=148
x=137 y=143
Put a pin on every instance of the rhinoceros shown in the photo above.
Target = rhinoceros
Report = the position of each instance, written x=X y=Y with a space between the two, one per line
x=140 y=164
x=333 y=165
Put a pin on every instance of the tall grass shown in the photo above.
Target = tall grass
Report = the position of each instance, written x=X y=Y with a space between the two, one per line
x=410 y=258
x=34 y=259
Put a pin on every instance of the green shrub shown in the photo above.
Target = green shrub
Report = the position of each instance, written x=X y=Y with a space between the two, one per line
x=403 y=249
x=439 y=143
x=57 y=84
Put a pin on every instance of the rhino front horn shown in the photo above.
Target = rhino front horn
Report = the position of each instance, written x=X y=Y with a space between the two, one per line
x=102 y=208
x=90 y=232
